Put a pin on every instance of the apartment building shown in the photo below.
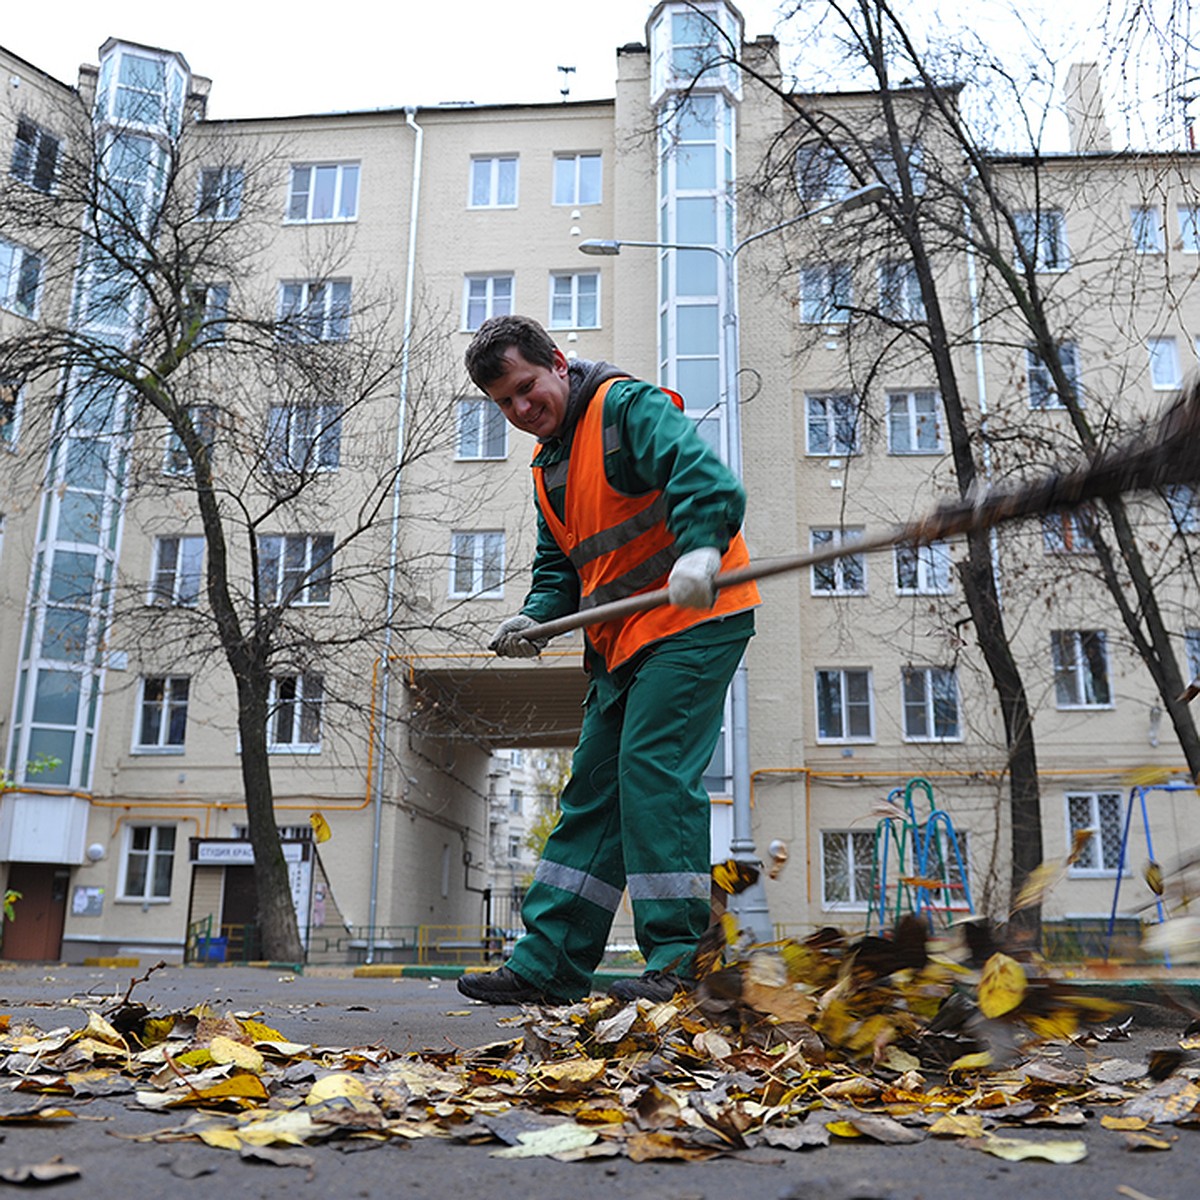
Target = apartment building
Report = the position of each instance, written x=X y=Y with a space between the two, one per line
x=381 y=240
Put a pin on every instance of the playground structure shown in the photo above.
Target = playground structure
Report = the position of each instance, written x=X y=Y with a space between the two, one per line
x=936 y=883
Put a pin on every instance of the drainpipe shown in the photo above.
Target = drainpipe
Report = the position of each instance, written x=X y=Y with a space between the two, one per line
x=394 y=536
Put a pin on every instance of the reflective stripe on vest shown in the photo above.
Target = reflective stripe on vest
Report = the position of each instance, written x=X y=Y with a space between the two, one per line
x=669 y=885
x=579 y=883
x=620 y=545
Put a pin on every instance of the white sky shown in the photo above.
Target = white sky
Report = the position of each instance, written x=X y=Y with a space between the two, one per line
x=270 y=58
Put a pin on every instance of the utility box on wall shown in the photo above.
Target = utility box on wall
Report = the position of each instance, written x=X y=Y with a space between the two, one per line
x=41 y=828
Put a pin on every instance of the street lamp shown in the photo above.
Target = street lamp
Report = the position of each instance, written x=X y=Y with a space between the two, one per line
x=750 y=905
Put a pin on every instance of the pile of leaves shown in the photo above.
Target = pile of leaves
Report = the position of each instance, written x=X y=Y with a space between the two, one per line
x=782 y=1048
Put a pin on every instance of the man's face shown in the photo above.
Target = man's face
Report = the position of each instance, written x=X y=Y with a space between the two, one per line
x=531 y=397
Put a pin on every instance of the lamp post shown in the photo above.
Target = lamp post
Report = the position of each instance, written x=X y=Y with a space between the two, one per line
x=750 y=905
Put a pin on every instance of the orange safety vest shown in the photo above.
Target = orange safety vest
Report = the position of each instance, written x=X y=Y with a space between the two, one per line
x=620 y=545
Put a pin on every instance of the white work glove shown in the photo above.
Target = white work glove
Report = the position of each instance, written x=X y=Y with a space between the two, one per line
x=508 y=642
x=690 y=583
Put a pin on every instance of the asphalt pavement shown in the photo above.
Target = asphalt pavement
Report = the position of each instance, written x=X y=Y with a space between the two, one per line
x=334 y=1008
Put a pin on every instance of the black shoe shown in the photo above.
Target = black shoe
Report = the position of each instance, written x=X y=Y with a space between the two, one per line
x=659 y=986
x=503 y=986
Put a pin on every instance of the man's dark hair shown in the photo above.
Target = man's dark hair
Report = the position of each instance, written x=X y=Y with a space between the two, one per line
x=496 y=336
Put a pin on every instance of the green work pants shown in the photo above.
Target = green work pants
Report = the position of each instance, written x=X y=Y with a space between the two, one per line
x=634 y=815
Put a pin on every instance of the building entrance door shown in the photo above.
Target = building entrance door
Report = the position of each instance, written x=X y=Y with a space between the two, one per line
x=36 y=933
x=239 y=903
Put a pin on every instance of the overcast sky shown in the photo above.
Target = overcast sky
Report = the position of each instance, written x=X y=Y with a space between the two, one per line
x=276 y=59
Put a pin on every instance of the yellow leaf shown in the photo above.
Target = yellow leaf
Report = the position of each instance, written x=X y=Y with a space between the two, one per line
x=842 y=1129
x=333 y=1086
x=734 y=876
x=1146 y=1141
x=99 y=1030
x=1039 y=881
x=570 y=1074
x=226 y=1050
x=156 y=1029
x=1153 y=875
x=236 y=1087
x=972 y=1062
x=1125 y=1123
x=220 y=1137
x=320 y=827
x=256 y=1031
x=195 y=1058
x=896 y=1059
x=557 y=1139
x=1014 y=1149
x=957 y=1125
x=1002 y=986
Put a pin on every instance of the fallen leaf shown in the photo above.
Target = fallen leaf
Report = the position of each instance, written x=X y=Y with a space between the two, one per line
x=34 y=1174
x=885 y=1129
x=1146 y=1141
x=320 y=827
x=1014 y=1149
x=1108 y=1121
x=558 y=1139
x=957 y=1125
x=1002 y=986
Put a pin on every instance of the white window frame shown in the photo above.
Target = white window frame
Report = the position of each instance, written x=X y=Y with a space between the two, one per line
x=1163 y=352
x=481 y=431
x=853 y=841
x=834 y=408
x=516 y=801
x=175 y=693
x=315 y=310
x=1068 y=657
x=1043 y=235
x=28 y=155
x=304 y=438
x=1042 y=394
x=932 y=567
x=175 y=456
x=821 y=175
x=927 y=702
x=177 y=573
x=219 y=193
x=304 y=696
x=483 y=550
x=575 y=298
x=905 y=418
x=162 y=843
x=1081 y=868
x=493 y=165
x=575 y=197
x=844 y=705
x=12 y=407
x=482 y=290
x=295 y=569
x=17 y=264
x=1146 y=228
x=1069 y=532
x=1189 y=228
x=845 y=576
x=345 y=197
x=826 y=293
x=900 y=291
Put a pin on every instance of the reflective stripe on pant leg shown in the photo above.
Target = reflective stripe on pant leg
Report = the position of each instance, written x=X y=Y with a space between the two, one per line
x=673 y=717
x=569 y=907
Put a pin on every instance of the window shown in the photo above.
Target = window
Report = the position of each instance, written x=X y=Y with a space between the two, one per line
x=900 y=292
x=477 y=564
x=1184 y=506
x=1069 y=532
x=845 y=576
x=1164 y=363
x=577 y=179
x=1191 y=646
x=482 y=430
x=847 y=860
x=295 y=569
x=832 y=424
x=208 y=307
x=162 y=712
x=315 y=310
x=821 y=175
x=10 y=411
x=20 y=279
x=884 y=164
x=219 y=193
x=1189 y=228
x=177 y=567
x=574 y=301
x=1099 y=812
x=825 y=294
x=930 y=704
x=1042 y=392
x=1042 y=239
x=494 y=182
x=35 y=155
x=913 y=423
x=1145 y=223
x=141 y=89
x=486 y=296
x=516 y=800
x=304 y=437
x=923 y=570
x=294 y=704
x=323 y=192
x=1080 y=659
x=149 y=862
x=177 y=461
x=844 y=706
